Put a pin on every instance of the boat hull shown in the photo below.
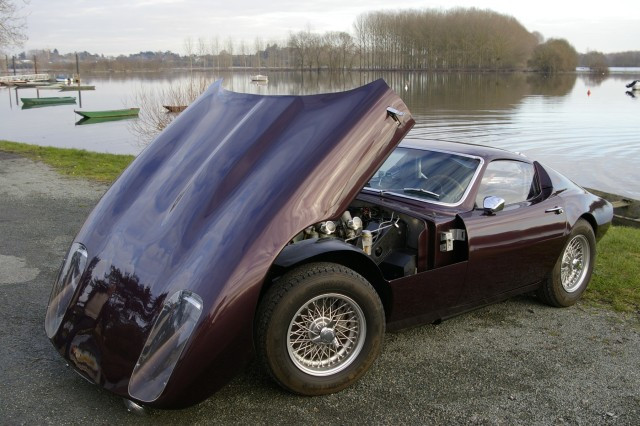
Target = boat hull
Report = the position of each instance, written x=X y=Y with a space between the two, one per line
x=48 y=101
x=130 y=112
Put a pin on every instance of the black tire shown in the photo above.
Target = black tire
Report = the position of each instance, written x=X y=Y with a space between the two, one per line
x=355 y=343
x=554 y=291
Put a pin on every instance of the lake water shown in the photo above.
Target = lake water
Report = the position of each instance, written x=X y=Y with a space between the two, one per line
x=589 y=129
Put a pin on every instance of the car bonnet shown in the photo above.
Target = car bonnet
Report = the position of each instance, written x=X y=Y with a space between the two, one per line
x=211 y=202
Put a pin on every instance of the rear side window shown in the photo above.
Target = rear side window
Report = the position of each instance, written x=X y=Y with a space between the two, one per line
x=514 y=181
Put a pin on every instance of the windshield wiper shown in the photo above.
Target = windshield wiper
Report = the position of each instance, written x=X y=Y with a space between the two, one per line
x=421 y=191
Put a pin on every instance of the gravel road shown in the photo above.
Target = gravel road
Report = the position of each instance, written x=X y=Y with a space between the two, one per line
x=517 y=362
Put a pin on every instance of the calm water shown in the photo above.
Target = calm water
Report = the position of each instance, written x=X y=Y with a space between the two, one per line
x=594 y=139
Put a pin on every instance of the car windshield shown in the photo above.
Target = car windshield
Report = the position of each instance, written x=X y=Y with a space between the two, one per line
x=431 y=175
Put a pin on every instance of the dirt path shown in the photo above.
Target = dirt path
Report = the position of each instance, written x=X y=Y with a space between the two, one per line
x=517 y=362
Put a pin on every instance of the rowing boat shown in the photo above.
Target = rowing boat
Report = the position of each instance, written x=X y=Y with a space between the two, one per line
x=175 y=108
x=49 y=100
x=71 y=88
x=130 y=112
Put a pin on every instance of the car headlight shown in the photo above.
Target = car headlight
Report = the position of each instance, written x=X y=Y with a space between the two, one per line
x=64 y=287
x=164 y=345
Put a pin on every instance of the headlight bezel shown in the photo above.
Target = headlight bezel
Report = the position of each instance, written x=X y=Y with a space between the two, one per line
x=65 y=286
x=164 y=345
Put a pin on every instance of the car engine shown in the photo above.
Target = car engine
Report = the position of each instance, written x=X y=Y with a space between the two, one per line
x=389 y=238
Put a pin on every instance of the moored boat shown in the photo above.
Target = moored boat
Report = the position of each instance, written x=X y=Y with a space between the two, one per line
x=259 y=77
x=71 y=88
x=634 y=85
x=175 y=108
x=49 y=100
x=129 y=112
x=49 y=87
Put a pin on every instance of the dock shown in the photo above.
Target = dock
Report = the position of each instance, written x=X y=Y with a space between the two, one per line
x=10 y=79
x=626 y=211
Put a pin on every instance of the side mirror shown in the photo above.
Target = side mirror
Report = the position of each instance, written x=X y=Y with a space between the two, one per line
x=492 y=204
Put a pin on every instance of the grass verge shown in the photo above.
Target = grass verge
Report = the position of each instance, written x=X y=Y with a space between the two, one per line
x=615 y=281
x=73 y=162
x=616 y=276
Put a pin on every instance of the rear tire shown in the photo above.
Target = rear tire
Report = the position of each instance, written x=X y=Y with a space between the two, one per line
x=319 y=329
x=572 y=272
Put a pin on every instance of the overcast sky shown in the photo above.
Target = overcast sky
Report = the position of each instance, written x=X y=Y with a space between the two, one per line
x=127 y=26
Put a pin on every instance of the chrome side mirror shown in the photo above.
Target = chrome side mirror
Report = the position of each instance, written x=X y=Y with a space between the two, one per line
x=492 y=204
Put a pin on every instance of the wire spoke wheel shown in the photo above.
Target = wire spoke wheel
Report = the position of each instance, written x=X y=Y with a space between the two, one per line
x=575 y=263
x=326 y=334
x=319 y=328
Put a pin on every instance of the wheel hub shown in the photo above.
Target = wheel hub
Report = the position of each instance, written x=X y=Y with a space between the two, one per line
x=326 y=334
x=320 y=332
x=575 y=262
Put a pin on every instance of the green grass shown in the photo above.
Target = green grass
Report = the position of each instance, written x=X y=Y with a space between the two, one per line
x=616 y=277
x=73 y=162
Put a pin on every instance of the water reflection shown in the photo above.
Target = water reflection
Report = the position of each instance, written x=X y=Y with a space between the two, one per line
x=583 y=125
x=559 y=85
x=98 y=120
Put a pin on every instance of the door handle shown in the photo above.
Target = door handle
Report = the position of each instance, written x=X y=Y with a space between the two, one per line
x=556 y=210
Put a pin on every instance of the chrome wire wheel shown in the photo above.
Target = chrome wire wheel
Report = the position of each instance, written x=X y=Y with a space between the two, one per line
x=575 y=263
x=326 y=334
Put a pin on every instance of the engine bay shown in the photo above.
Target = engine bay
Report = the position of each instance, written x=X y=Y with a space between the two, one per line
x=389 y=238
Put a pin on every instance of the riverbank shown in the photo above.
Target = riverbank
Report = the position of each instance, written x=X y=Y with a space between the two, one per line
x=104 y=168
x=615 y=282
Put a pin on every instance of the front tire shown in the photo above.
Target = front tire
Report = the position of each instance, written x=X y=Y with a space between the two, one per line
x=572 y=272
x=320 y=327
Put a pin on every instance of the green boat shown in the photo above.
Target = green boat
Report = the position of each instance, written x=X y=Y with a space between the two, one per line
x=49 y=101
x=130 y=112
x=72 y=88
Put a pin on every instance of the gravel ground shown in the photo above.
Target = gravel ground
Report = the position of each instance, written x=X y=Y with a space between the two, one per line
x=517 y=362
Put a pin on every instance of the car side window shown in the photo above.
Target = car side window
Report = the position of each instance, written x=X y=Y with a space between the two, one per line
x=514 y=181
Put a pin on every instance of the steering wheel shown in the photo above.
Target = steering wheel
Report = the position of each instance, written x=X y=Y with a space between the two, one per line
x=443 y=180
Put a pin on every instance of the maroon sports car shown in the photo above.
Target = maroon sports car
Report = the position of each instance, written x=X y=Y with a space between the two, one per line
x=295 y=229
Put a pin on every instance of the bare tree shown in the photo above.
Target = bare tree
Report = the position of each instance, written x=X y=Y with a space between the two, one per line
x=12 y=24
x=214 y=50
x=553 y=56
x=299 y=44
x=229 y=45
x=259 y=46
x=153 y=117
x=202 y=50
x=188 y=50
x=243 y=52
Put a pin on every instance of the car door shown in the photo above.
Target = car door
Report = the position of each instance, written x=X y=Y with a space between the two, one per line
x=519 y=245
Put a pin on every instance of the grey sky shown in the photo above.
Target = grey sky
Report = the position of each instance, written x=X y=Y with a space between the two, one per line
x=129 y=26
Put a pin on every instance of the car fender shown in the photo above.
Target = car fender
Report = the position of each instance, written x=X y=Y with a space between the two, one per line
x=331 y=250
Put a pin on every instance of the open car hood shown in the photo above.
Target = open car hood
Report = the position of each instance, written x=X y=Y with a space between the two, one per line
x=209 y=205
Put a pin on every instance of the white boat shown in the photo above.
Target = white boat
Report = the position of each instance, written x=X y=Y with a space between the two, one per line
x=259 y=77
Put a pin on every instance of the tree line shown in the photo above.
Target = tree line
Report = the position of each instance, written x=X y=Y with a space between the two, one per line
x=468 y=39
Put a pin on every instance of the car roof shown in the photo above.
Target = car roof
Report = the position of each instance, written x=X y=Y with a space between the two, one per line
x=486 y=152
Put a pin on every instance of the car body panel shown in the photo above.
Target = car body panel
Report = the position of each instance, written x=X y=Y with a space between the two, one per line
x=513 y=247
x=208 y=206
